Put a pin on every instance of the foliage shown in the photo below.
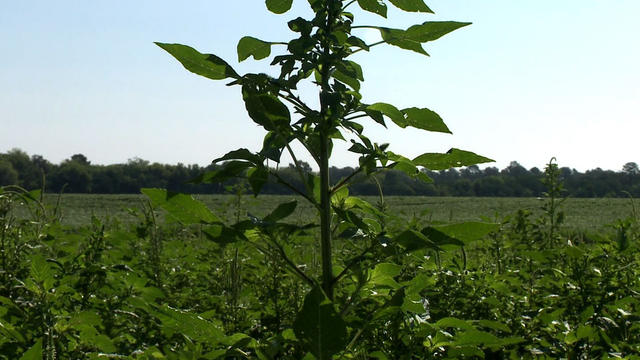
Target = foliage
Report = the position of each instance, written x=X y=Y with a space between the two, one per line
x=184 y=283
x=128 y=178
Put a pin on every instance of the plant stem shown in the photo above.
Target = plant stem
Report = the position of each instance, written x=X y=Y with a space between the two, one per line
x=325 y=125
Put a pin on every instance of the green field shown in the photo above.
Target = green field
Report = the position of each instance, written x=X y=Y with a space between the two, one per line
x=584 y=214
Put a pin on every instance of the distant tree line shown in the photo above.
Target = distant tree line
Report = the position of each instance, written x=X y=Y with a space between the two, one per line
x=78 y=175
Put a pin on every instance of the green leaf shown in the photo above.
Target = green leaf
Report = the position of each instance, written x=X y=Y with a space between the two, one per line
x=226 y=171
x=383 y=274
x=452 y=158
x=183 y=207
x=433 y=30
x=424 y=119
x=468 y=231
x=450 y=322
x=267 y=110
x=250 y=46
x=207 y=65
x=34 y=353
x=279 y=6
x=240 y=154
x=439 y=237
x=42 y=272
x=412 y=240
x=389 y=111
x=282 y=211
x=374 y=6
x=319 y=326
x=401 y=39
x=477 y=337
x=411 y=5
x=189 y=324
x=495 y=325
x=257 y=176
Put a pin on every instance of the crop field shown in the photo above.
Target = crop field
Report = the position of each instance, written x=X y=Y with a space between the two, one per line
x=583 y=214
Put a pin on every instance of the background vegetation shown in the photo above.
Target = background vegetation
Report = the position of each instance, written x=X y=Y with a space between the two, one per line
x=78 y=175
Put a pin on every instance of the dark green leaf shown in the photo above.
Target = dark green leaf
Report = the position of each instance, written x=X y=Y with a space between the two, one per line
x=257 y=176
x=374 y=6
x=282 y=211
x=279 y=6
x=468 y=231
x=439 y=237
x=226 y=171
x=412 y=240
x=450 y=322
x=240 y=154
x=424 y=119
x=207 y=65
x=411 y=5
x=453 y=158
x=184 y=208
x=267 y=111
x=319 y=326
x=433 y=30
x=357 y=42
x=250 y=46
x=34 y=353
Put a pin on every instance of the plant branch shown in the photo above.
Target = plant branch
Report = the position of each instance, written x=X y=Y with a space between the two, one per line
x=344 y=181
x=291 y=187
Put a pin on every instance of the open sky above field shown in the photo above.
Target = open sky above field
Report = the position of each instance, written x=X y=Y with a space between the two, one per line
x=527 y=81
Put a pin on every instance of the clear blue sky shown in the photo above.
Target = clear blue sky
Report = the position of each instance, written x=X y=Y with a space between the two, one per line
x=527 y=81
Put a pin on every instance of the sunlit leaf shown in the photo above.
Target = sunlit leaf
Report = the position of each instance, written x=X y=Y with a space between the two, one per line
x=279 y=6
x=207 y=65
x=182 y=207
x=452 y=158
x=250 y=46
x=411 y=5
x=374 y=6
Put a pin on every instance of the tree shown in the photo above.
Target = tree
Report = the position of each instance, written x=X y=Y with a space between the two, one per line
x=631 y=168
x=8 y=175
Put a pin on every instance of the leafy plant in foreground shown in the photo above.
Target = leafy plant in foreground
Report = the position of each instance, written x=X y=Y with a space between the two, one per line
x=321 y=53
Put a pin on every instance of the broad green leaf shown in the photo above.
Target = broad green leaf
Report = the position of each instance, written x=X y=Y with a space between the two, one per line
x=452 y=158
x=189 y=324
x=412 y=240
x=267 y=110
x=207 y=65
x=282 y=211
x=42 y=272
x=348 y=80
x=279 y=6
x=450 y=322
x=250 y=46
x=477 y=337
x=389 y=111
x=319 y=326
x=495 y=325
x=357 y=42
x=226 y=171
x=34 y=353
x=468 y=231
x=184 y=208
x=424 y=119
x=439 y=237
x=383 y=274
x=374 y=6
x=433 y=30
x=257 y=176
x=240 y=154
x=401 y=39
x=411 y=5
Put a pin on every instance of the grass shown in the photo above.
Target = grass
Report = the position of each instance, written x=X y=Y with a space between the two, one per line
x=583 y=214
